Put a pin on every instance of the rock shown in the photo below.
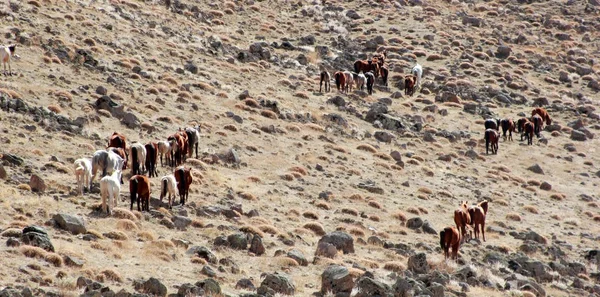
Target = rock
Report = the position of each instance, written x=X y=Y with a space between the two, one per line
x=245 y=284
x=538 y=270
x=11 y=242
x=210 y=286
x=206 y=270
x=257 y=247
x=384 y=136
x=375 y=111
x=101 y=90
x=389 y=122
x=12 y=159
x=472 y=154
x=414 y=223
x=191 y=67
x=353 y=14
x=203 y=253
x=374 y=240
x=238 y=241
x=473 y=21
x=3 y=174
x=73 y=224
x=181 y=222
x=130 y=120
x=578 y=135
x=503 y=51
x=401 y=288
x=73 y=261
x=37 y=236
x=418 y=263
x=37 y=184
x=298 y=256
x=536 y=169
x=153 y=287
x=428 y=137
x=436 y=289
x=427 y=228
x=188 y=289
x=368 y=287
x=276 y=283
x=337 y=101
x=327 y=250
x=532 y=235
x=341 y=240
x=336 y=279
x=396 y=156
x=546 y=186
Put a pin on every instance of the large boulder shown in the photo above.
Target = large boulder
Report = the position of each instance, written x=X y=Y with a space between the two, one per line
x=368 y=287
x=418 y=263
x=37 y=184
x=298 y=256
x=326 y=249
x=203 y=253
x=73 y=224
x=257 y=246
x=152 y=286
x=336 y=279
x=275 y=283
x=37 y=236
x=238 y=241
x=341 y=240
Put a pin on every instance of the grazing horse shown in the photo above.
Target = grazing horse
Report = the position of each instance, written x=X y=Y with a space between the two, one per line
x=360 y=80
x=118 y=140
x=6 y=52
x=492 y=124
x=507 y=125
x=538 y=122
x=139 y=189
x=491 y=139
x=370 y=82
x=179 y=144
x=349 y=81
x=164 y=149
x=409 y=85
x=151 y=157
x=169 y=184
x=340 y=80
x=380 y=58
x=364 y=66
x=520 y=125
x=528 y=130
x=107 y=161
x=138 y=158
x=417 y=71
x=183 y=176
x=383 y=70
x=193 y=138
x=83 y=173
x=325 y=78
x=543 y=113
x=110 y=189
x=478 y=213
x=462 y=219
x=450 y=238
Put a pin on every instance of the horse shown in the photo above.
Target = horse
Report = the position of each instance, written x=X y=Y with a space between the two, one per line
x=325 y=78
x=193 y=138
x=138 y=157
x=507 y=125
x=118 y=140
x=520 y=124
x=492 y=124
x=462 y=219
x=139 y=189
x=178 y=143
x=417 y=71
x=478 y=214
x=528 y=130
x=360 y=81
x=164 y=149
x=384 y=72
x=370 y=82
x=151 y=157
x=6 y=52
x=349 y=81
x=380 y=58
x=110 y=189
x=491 y=139
x=365 y=66
x=409 y=85
x=183 y=176
x=105 y=160
x=83 y=173
x=169 y=184
x=450 y=238
x=543 y=113
x=119 y=151
x=184 y=146
x=340 y=80
x=538 y=122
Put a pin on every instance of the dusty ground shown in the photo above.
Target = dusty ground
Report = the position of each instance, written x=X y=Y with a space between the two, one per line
x=278 y=175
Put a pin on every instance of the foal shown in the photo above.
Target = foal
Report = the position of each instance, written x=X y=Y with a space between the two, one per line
x=325 y=78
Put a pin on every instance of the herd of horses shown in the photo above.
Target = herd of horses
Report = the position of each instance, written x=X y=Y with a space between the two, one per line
x=467 y=219
x=144 y=158
x=526 y=126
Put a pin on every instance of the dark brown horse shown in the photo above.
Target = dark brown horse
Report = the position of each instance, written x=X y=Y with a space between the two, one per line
x=478 y=214
x=492 y=124
x=118 y=140
x=384 y=74
x=538 y=122
x=151 y=158
x=340 y=80
x=491 y=141
x=450 y=238
x=507 y=126
x=365 y=66
x=520 y=125
x=462 y=219
x=528 y=130
x=409 y=85
x=370 y=82
x=325 y=78
x=183 y=176
x=380 y=58
x=543 y=113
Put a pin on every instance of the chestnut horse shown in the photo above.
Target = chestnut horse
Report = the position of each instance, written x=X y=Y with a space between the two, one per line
x=507 y=125
x=365 y=66
x=538 y=122
x=118 y=140
x=139 y=188
x=183 y=176
x=409 y=85
x=491 y=140
x=462 y=218
x=543 y=113
x=528 y=130
x=383 y=70
x=340 y=80
x=520 y=125
x=450 y=238
x=478 y=214
x=325 y=78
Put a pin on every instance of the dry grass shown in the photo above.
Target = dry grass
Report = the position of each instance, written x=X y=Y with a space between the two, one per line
x=356 y=231
x=268 y=114
x=557 y=197
x=513 y=217
x=196 y=223
x=126 y=224
x=247 y=196
x=427 y=191
x=198 y=260
x=323 y=205
x=356 y=197
x=112 y=275
x=146 y=235
x=413 y=210
x=367 y=148
x=286 y=262
x=121 y=213
x=252 y=229
x=287 y=176
x=54 y=259
x=374 y=218
x=96 y=233
x=268 y=229
x=315 y=227
x=375 y=204
x=400 y=216
x=394 y=266
x=310 y=215
x=33 y=252
x=531 y=209
x=350 y=211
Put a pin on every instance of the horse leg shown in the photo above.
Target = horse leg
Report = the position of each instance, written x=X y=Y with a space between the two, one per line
x=483 y=230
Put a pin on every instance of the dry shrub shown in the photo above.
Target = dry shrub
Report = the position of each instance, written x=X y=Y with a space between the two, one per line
x=162 y=244
x=254 y=179
x=413 y=210
x=310 y=215
x=11 y=232
x=287 y=262
x=126 y=224
x=198 y=223
x=383 y=156
x=513 y=217
x=356 y=231
x=146 y=236
x=323 y=205
x=531 y=209
x=99 y=246
x=198 y=260
x=54 y=108
x=112 y=275
x=231 y=128
x=95 y=233
x=268 y=114
x=24 y=187
x=296 y=175
x=556 y=217
x=356 y=197
x=33 y=252
x=367 y=147
x=299 y=169
x=252 y=229
x=394 y=266
x=268 y=229
x=374 y=218
x=596 y=218
x=251 y=102
x=423 y=210
x=247 y=196
x=383 y=165
x=593 y=205
x=315 y=227
x=314 y=127
x=287 y=176
x=294 y=211
x=121 y=213
x=557 y=196
x=54 y=259
x=399 y=216
x=375 y=204
x=425 y=190
x=350 y=211
x=501 y=202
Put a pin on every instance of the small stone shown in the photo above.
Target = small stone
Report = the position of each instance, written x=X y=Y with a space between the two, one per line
x=546 y=186
x=536 y=168
x=414 y=223
x=37 y=184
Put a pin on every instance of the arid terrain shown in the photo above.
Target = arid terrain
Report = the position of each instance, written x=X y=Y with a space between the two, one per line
x=282 y=166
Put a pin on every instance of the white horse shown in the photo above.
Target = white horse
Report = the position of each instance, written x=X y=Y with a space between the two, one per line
x=83 y=173
x=360 y=80
x=137 y=151
x=164 y=149
x=6 y=53
x=168 y=183
x=110 y=189
x=418 y=72
x=349 y=80
x=108 y=161
x=193 y=134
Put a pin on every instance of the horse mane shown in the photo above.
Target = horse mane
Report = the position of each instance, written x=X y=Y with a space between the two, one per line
x=484 y=205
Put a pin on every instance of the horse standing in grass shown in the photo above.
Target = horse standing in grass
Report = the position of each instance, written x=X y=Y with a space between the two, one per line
x=417 y=71
x=450 y=238
x=325 y=78
x=340 y=80
x=349 y=81
x=169 y=184
x=193 y=138
x=507 y=126
x=183 y=176
x=409 y=85
x=110 y=189
x=138 y=158
x=365 y=66
x=83 y=173
x=107 y=161
x=139 y=189
x=119 y=140
x=528 y=130
x=151 y=157
x=360 y=80
x=538 y=122
x=462 y=219
x=491 y=141
x=542 y=113
x=164 y=149
x=370 y=82
x=384 y=72
x=478 y=214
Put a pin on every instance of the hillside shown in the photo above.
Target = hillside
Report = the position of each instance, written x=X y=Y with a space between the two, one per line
x=386 y=169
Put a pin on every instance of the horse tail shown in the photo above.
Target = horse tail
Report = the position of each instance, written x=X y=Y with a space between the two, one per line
x=484 y=205
x=356 y=66
x=133 y=186
x=442 y=236
x=134 y=160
